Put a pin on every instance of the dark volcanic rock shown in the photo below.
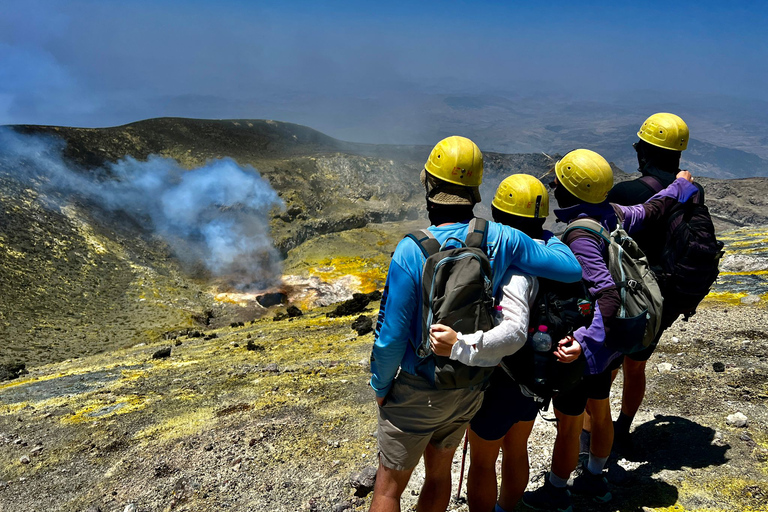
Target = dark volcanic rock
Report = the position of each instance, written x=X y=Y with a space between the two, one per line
x=162 y=353
x=293 y=311
x=253 y=347
x=356 y=304
x=718 y=367
x=363 y=481
x=363 y=325
x=271 y=299
x=12 y=371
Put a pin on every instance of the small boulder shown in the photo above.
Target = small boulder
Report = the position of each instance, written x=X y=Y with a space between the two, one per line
x=718 y=367
x=24 y=459
x=162 y=353
x=363 y=481
x=253 y=347
x=737 y=420
x=293 y=311
x=719 y=440
x=356 y=304
x=664 y=367
x=12 y=371
x=271 y=299
x=363 y=325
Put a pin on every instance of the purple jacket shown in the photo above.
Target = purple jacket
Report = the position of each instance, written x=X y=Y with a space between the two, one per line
x=593 y=256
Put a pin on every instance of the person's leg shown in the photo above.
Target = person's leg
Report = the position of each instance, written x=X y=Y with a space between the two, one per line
x=590 y=481
x=602 y=428
x=565 y=455
x=436 y=490
x=514 y=465
x=554 y=495
x=389 y=486
x=634 y=388
x=481 y=481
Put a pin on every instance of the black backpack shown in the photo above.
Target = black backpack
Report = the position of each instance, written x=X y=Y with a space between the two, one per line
x=563 y=308
x=686 y=264
x=457 y=291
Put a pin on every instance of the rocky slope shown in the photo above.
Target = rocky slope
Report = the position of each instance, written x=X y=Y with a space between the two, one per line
x=276 y=415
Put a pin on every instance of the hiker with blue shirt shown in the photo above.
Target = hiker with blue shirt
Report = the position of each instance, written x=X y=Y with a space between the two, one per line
x=583 y=179
x=416 y=418
x=506 y=417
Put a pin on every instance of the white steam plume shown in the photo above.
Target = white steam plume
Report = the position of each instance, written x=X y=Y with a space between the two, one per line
x=217 y=215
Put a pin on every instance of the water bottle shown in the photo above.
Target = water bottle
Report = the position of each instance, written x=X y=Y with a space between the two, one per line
x=542 y=346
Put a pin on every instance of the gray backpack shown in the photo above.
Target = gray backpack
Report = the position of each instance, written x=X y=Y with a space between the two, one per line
x=639 y=317
x=457 y=291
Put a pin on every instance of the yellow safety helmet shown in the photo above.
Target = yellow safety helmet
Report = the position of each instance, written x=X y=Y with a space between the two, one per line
x=456 y=160
x=585 y=174
x=666 y=131
x=522 y=195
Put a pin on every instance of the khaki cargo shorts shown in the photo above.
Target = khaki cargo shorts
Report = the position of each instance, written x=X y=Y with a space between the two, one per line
x=416 y=414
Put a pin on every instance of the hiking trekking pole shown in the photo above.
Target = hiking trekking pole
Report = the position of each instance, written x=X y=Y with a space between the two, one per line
x=463 y=458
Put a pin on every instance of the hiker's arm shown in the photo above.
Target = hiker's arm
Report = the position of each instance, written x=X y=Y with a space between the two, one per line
x=393 y=328
x=656 y=208
x=517 y=250
x=598 y=279
x=489 y=347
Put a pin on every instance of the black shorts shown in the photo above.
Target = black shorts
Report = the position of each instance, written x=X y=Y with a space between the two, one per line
x=503 y=406
x=573 y=401
x=645 y=354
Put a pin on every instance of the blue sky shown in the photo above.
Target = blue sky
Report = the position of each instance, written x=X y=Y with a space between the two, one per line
x=98 y=63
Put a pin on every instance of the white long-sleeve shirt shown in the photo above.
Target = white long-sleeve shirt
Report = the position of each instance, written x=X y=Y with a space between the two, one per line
x=510 y=334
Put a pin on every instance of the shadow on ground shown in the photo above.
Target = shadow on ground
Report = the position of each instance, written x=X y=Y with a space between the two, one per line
x=667 y=443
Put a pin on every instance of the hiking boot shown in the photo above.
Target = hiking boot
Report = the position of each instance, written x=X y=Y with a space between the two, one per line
x=593 y=486
x=549 y=497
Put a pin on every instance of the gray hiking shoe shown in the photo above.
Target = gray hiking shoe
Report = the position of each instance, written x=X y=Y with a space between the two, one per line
x=593 y=486
x=549 y=497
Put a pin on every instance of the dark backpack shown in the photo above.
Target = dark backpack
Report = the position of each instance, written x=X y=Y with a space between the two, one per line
x=639 y=317
x=686 y=264
x=457 y=291
x=563 y=308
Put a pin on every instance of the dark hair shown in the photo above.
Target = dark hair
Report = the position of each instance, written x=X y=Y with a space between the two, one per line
x=564 y=198
x=534 y=228
x=444 y=213
x=667 y=160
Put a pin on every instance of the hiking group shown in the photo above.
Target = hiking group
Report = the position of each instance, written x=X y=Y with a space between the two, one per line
x=482 y=324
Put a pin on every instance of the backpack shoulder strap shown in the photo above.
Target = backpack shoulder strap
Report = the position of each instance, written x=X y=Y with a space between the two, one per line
x=477 y=233
x=590 y=226
x=426 y=241
x=652 y=183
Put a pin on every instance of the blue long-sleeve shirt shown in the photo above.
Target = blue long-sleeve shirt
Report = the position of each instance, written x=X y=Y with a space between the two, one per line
x=398 y=330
